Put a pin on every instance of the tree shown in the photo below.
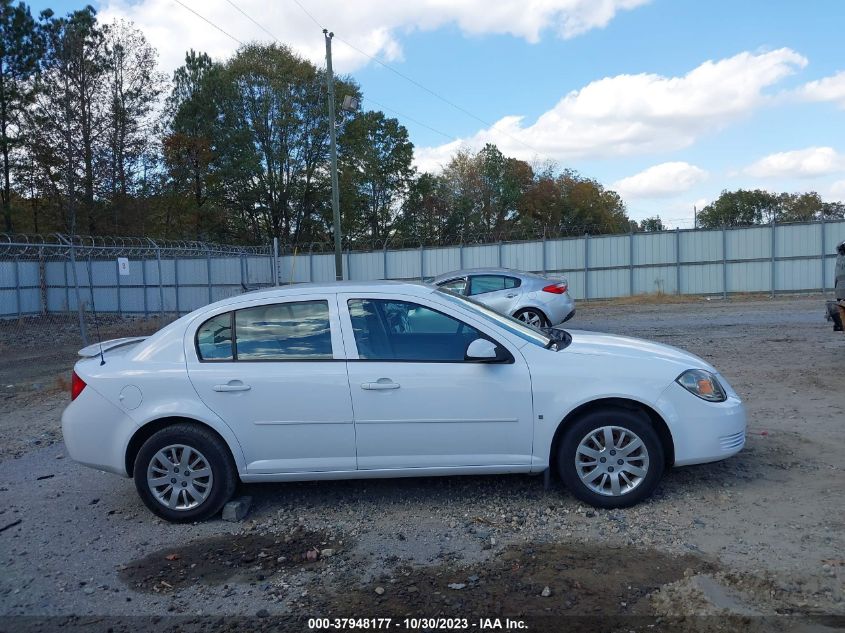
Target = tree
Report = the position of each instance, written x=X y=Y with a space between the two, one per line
x=70 y=111
x=652 y=224
x=424 y=213
x=134 y=86
x=191 y=118
x=739 y=208
x=376 y=164
x=20 y=49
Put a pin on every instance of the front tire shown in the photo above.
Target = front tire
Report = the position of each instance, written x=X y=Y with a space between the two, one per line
x=184 y=473
x=611 y=458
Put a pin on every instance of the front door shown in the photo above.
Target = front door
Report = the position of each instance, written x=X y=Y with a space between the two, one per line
x=275 y=373
x=417 y=402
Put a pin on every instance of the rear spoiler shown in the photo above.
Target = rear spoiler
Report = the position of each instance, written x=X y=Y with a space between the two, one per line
x=94 y=350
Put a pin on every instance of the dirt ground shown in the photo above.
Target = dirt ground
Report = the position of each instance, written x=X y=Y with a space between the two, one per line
x=755 y=542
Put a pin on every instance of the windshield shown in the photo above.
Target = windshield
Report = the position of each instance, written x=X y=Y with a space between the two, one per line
x=514 y=326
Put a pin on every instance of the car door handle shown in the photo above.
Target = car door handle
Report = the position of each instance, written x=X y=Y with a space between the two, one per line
x=381 y=385
x=511 y=296
x=232 y=386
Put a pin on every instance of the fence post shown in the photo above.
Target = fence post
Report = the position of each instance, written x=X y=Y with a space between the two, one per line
x=144 y=284
x=311 y=261
x=176 y=284
x=274 y=260
x=631 y=262
x=42 y=281
x=384 y=261
x=79 y=309
x=586 y=265
x=422 y=263
x=67 y=286
x=824 y=278
x=161 y=287
x=246 y=269
x=774 y=241
x=499 y=249
x=208 y=272
x=544 y=251
x=117 y=276
x=18 y=285
x=461 y=255
x=677 y=260
x=724 y=263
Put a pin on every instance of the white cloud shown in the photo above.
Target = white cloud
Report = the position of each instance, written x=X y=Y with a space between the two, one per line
x=828 y=89
x=374 y=26
x=661 y=181
x=802 y=163
x=636 y=114
x=837 y=190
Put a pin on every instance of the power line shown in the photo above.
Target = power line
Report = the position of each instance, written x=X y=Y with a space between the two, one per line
x=204 y=19
x=423 y=87
x=373 y=101
x=439 y=96
x=308 y=13
x=255 y=22
x=405 y=116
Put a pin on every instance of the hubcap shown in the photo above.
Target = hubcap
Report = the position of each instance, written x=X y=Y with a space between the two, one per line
x=611 y=461
x=179 y=477
x=531 y=318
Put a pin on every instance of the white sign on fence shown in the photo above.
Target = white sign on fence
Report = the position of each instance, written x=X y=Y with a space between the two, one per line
x=123 y=266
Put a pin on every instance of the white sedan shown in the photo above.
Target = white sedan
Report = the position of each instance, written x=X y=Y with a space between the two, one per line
x=387 y=379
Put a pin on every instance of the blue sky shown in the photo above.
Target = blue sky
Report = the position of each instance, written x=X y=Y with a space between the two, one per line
x=620 y=90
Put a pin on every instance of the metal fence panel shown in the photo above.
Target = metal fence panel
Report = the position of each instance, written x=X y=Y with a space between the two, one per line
x=566 y=254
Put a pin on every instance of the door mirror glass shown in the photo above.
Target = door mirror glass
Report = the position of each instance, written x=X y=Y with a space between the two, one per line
x=482 y=350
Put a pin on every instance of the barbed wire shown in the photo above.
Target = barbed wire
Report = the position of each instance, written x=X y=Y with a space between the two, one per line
x=107 y=246
x=503 y=236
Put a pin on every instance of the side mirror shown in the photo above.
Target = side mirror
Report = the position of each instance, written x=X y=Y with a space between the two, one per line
x=482 y=350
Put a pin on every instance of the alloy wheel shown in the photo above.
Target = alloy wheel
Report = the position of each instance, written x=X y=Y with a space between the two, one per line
x=611 y=460
x=179 y=477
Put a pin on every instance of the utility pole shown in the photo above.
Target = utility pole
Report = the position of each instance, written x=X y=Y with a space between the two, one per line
x=338 y=254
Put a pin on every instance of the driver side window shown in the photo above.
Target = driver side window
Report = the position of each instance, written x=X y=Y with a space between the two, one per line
x=390 y=330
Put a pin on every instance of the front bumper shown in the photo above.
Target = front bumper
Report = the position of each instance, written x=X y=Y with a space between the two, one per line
x=703 y=431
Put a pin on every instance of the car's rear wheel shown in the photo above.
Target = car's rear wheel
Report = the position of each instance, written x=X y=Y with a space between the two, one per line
x=611 y=458
x=184 y=473
x=532 y=317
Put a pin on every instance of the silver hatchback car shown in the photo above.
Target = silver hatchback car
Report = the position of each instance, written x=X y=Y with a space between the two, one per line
x=534 y=299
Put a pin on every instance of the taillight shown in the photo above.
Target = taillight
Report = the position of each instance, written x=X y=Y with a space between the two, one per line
x=557 y=289
x=76 y=386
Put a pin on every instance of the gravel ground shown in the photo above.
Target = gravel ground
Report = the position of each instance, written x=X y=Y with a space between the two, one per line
x=753 y=537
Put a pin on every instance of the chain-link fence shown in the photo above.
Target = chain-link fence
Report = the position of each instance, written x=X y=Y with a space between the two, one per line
x=59 y=289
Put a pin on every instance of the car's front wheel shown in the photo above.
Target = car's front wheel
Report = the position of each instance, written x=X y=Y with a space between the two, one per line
x=184 y=473
x=611 y=458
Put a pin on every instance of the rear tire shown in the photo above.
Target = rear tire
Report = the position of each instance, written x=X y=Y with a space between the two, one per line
x=533 y=317
x=185 y=473
x=611 y=458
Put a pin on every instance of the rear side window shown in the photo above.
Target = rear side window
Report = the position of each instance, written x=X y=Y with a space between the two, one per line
x=214 y=338
x=480 y=284
x=282 y=332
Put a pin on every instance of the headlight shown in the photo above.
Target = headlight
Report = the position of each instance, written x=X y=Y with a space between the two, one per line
x=702 y=384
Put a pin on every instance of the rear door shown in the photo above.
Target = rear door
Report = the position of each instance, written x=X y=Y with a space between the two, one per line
x=275 y=372
x=500 y=292
x=417 y=402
